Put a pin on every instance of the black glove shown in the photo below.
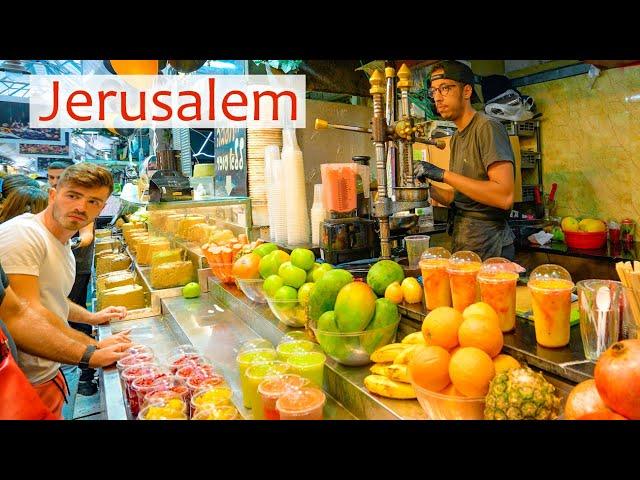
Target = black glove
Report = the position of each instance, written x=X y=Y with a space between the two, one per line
x=426 y=170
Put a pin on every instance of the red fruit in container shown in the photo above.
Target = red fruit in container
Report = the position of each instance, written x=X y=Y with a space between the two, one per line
x=134 y=359
x=186 y=359
x=195 y=370
x=138 y=348
x=129 y=374
x=147 y=383
x=198 y=382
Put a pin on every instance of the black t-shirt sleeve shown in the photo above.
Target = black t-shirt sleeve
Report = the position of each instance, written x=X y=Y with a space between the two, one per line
x=4 y=283
x=494 y=144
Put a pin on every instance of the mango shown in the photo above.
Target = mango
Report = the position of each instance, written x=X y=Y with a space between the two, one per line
x=354 y=307
x=383 y=274
x=323 y=297
x=386 y=314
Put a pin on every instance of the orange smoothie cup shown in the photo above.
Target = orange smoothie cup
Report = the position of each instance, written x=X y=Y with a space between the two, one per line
x=497 y=282
x=435 y=279
x=304 y=404
x=550 y=287
x=463 y=269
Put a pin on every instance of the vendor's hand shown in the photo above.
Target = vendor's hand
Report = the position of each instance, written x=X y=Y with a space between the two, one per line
x=118 y=338
x=426 y=170
x=103 y=357
x=107 y=314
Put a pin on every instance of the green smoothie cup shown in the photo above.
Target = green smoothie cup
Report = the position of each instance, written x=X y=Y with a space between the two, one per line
x=308 y=365
x=245 y=360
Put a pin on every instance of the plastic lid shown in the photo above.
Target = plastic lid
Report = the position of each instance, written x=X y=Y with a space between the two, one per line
x=255 y=344
x=156 y=412
x=498 y=267
x=293 y=336
x=295 y=346
x=213 y=396
x=201 y=382
x=280 y=384
x=464 y=260
x=435 y=253
x=222 y=412
x=301 y=401
x=548 y=272
x=138 y=348
x=263 y=370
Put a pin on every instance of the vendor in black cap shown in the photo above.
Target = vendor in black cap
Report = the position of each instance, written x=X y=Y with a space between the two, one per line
x=481 y=170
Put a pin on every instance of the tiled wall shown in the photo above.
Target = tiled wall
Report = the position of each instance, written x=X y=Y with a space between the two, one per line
x=591 y=143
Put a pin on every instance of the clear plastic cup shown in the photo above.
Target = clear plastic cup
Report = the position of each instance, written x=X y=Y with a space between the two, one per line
x=435 y=279
x=285 y=350
x=222 y=412
x=497 y=281
x=129 y=374
x=212 y=397
x=190 y=373
x=416 y=246
x=293 y=336
x=157 y=412
x=600 y=303
x=165 y=398
x=139 y=348
x=254 y=344
x=180 y=349
x=463 y=268
x=204 y=379
x=272 y=388
x=245 y=360
x=255 y=375
x=309 y=365
x=134 y=359
x=304 y=404
x=180 y=360
x=145 y=384
x=550 y=286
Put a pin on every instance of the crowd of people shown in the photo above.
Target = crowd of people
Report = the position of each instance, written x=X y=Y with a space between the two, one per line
x=43 y=286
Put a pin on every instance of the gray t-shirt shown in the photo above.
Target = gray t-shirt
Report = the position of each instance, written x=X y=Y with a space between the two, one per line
x=4 y=283
x=481 y=143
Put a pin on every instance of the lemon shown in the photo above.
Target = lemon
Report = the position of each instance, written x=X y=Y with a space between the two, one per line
x=412 y=290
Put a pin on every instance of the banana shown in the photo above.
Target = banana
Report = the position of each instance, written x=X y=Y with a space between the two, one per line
x=414 y=338
x=399 y=373
x=380 y=368
x=388 y=353
x=404 y=357
x=386 y=387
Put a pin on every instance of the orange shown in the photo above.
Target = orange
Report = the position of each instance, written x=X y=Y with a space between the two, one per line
x=454 y=350
x=471 y=370
x=440 y=327
x=481 y=309
x=429 y=367
x=503 y=362
x=451 y=391
x=394 y=293
x=582 y=400
x=247 y=266
x=483 y=333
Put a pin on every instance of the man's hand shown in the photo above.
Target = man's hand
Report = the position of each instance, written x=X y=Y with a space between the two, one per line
x=103 y=357
x=426 y=170
x=118 y=338
x=107 y=314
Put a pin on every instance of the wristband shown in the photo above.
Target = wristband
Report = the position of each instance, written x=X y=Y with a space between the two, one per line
x=84 y=361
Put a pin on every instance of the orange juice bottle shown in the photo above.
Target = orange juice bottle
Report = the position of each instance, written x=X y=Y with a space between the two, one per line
x=463 y=269
x=497 y=282
x=339 y=187
x=435 y=279
x=550 y=287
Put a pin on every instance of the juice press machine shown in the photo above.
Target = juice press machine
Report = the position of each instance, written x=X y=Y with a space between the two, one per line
x=393 y=135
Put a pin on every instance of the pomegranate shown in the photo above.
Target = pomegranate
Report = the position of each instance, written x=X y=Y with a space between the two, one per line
x=604 y=414
x=583 y=399
x=617 y=376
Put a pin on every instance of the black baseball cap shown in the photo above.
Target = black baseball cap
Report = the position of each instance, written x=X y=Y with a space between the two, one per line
x=457 y=71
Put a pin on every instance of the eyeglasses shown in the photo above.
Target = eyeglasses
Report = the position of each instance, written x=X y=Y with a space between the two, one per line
x=442 y=90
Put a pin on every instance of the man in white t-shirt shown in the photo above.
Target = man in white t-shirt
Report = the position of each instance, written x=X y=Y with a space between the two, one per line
x=37 y=257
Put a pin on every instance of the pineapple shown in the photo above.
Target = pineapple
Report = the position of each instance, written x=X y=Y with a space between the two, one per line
x=521 y=394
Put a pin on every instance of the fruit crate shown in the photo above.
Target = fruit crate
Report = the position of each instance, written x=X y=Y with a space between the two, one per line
x=523 y=129
x=528 y=194
x=528 y=158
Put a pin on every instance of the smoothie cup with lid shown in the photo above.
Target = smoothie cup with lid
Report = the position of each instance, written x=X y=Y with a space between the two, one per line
x=463 y=269
x=497 y=280
x=309 y=365
x=272 y=388
x=255 y=375
x=435 y=279
x=304 y=404
x=245 y=360
x=285 y=350
x=550 y=286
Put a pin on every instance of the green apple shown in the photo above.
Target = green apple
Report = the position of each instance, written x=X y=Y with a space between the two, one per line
x=286 y=297
x=303 y=258
x=292 y=275
x=321 y=270
x=303 y=293
x=271 y=285
x=191 y=290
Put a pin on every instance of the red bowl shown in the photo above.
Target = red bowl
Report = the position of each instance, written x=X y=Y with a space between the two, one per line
x=586 y=240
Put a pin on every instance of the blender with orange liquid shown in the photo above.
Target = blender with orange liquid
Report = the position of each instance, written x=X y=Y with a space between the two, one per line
x=497 y=281
x=550 y=287
x=463 y=268
x=435 y=279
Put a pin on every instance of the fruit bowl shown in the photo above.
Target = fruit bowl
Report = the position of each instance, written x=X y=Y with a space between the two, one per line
x=289 y=312
x=585 y=240
x=252 y=288
x=439 y=406
x=354 y=349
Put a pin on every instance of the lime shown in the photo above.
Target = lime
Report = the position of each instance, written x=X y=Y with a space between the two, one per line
x=303 y=293
x=310 y=272
x=292 y=275
x=271 y=285
x=286 y=297
x=265 y=249
x=321 y=270
x=303 y=258
x=191 y=290
x=270 y=263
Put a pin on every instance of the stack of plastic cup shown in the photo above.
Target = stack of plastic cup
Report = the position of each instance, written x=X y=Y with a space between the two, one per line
x=463 y=269
x=271 y=154
x=317 y=214
x=298 y=227
x=278 y=191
